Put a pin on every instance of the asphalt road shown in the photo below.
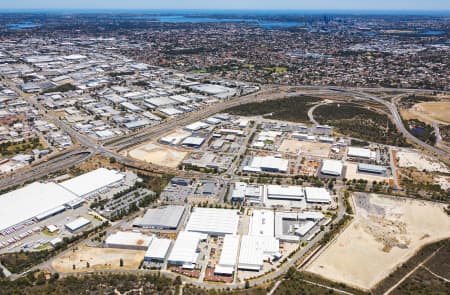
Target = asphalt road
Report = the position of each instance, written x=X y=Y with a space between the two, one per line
x=399 y=124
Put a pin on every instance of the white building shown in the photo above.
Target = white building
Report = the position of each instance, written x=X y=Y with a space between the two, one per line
x=255 y=250
x=284 y=192
x=243 y=192
x=34 y=201
x=317 y=195
x=332 y=167
x=290 y=226
x=158 y=249
x=361 y=153
x=185 y=250
x=77 y=224
x=211 y=221
x=196 y=126
x=262 y=223
x=267 y=164
x=228 y=257
x=92 y=182
x=128 y=240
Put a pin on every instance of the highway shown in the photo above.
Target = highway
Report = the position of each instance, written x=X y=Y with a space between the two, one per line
x=112 y=148
x=399 y=124
x=44 y=168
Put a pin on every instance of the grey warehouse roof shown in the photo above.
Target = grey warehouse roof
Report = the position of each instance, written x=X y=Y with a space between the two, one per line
x=164 y=217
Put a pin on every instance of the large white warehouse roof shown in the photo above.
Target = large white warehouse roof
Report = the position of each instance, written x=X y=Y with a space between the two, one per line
x=213 y=221
x=164 y=217
x=36 y=199
x=255 y=249
x=158 y=249
x=185 y=248
x=228 y=256
x=128 y=240
x=358 y=152
x=78 y=224
x=93 y=181
x=317 y=195
x=332 y=167
x=262 y=223
x=285 y=192
x=268 y=164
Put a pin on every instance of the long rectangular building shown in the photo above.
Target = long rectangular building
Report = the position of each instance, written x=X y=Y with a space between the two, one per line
x=77 y=224
x=267 y=164
x=33 y=201
x=257 y=249
x=317 y=195
x=185 y=250
x=284 y=192
x=215 y=222
x=128 y=240
x=362 y=153
x=332 y=167
x=92 y=182
x=228 y=257
x=157 y=251
x=368 y=168
x=161 y=218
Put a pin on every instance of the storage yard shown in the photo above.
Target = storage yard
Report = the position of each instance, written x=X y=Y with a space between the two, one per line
x=386 y=231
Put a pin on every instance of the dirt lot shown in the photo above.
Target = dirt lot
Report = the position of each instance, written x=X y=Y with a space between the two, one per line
x=386 y=232
x=307 y=148
x=352 y=173
x=158 y=155
x=98 y=259
x=430 y=111
x=410 y=158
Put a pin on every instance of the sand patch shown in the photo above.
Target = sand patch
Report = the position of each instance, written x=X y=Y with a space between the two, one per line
x=385 y=233
x=432 y=111
x=412 y=159
x=98 y=259
x=158 y=155
x=307 y=148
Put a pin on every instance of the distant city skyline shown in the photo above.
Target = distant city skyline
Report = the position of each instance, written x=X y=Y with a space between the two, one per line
x=381 y=5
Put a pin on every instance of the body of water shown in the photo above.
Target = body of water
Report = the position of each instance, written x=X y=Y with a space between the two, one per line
x=22 y=26
x=433 y=33
x=261 y=23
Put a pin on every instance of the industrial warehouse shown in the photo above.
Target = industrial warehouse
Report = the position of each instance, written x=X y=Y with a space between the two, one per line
x=41 y=214
x=92 y=182
x=161 y=218
x=217 y=222
x=34 y=201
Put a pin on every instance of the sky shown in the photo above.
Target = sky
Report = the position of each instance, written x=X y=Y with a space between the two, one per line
x=415 y=5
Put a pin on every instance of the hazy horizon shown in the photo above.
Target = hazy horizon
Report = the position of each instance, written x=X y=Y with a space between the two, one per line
x=230 y=5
